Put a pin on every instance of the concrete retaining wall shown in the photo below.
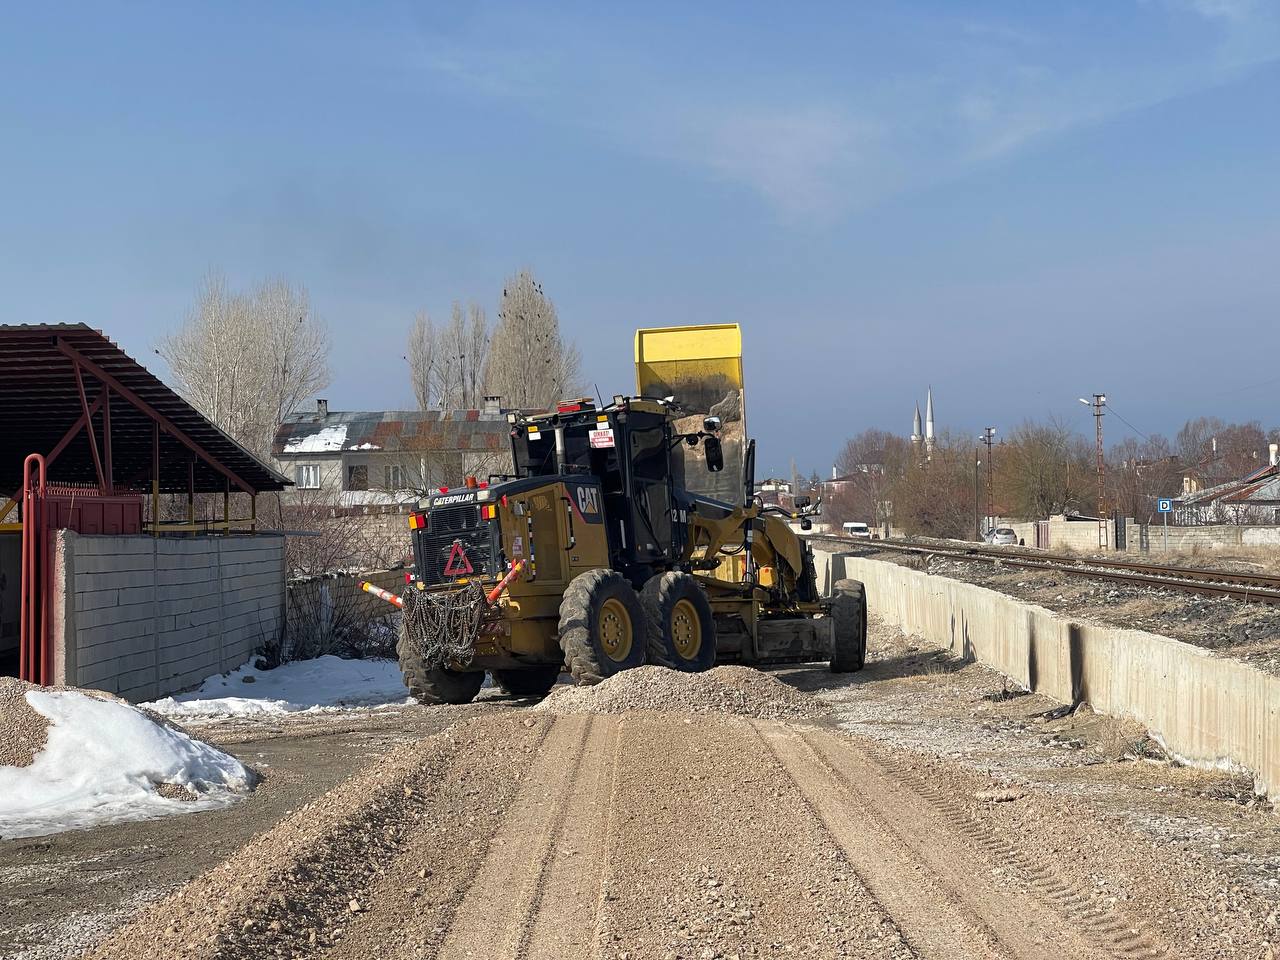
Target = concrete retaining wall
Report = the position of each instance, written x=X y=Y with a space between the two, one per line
x=1207 y=709
x=144 y=617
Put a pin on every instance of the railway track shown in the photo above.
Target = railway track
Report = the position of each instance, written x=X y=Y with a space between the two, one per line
x=1245 y=587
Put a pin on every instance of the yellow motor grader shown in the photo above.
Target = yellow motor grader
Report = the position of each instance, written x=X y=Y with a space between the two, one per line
x=600 y=553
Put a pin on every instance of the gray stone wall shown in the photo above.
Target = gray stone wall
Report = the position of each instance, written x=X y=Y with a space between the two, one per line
x=144 y=617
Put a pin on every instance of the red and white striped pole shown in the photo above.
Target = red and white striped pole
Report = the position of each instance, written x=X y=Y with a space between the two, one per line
x=378 y=592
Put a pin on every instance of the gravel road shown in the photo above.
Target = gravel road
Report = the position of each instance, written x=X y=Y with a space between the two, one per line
x=636 y=835
x=909 y=811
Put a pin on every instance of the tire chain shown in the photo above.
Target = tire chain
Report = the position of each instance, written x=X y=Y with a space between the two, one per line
x=444 y=626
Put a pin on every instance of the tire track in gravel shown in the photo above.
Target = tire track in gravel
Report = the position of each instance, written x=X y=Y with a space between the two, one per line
x=535 y=894
x=938 y=888
x=1117 y=934
x=565 y=915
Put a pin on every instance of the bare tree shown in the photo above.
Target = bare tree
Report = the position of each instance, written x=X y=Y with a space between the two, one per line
x=864 y=467
x=529 y=363
x=1044 y=469
x=446 y=364
x=422 y=360
x=933 y=497
x=247 y=360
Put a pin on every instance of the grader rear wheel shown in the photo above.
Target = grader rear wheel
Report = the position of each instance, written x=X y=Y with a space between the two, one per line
x=602 y=626
x=682 y=630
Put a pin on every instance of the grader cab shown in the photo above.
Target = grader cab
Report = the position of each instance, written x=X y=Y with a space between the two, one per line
x=599 y=554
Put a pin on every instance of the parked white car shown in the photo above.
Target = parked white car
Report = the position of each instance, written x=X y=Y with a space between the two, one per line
x=859 y=530
x=1001 y=536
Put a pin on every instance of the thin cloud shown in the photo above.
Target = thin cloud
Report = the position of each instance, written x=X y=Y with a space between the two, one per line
x=816 y=140
x=798 y=158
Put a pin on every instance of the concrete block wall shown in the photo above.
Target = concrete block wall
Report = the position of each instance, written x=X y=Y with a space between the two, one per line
x=144 y=617
x=1207 y=709
x=321 y=608
x=1208 y=539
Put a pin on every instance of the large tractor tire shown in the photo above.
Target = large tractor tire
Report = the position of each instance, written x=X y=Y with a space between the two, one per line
x=682 y=630
x=436 y=684
x=528 y=681
x=603 y=627
x=849 y=625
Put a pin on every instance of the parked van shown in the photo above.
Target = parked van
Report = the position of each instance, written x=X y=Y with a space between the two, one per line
x=855 y=529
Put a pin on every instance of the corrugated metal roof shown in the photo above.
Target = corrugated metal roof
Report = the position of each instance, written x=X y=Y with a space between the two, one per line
x=1261 y=486
x=419 y=431
x=40 y=403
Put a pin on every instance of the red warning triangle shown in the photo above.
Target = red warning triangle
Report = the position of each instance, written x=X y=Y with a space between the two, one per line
x=458 y=564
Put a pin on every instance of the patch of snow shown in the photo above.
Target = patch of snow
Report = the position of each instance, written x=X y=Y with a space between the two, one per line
x=322 y=441
x=325 y=683
x=366 y=446
x=103 y=762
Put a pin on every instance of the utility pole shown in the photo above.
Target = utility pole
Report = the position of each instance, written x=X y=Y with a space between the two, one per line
x=1100 y=401
x=977 y=519
x=988 y=437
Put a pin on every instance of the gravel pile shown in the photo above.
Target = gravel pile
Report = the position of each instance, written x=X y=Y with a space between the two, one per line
x=23 y=732
x=741 y=691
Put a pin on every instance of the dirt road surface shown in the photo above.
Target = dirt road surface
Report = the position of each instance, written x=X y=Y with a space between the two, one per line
x=910 y=812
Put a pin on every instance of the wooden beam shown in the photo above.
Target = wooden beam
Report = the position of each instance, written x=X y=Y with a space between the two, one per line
x=169 y=426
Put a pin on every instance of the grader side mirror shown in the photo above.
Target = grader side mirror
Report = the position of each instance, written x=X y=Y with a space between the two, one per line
x=801 y=502
x=806 y=524
x=711 y=424
x=714 y=454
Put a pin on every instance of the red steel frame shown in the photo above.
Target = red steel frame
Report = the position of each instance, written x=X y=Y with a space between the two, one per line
x=34 y=656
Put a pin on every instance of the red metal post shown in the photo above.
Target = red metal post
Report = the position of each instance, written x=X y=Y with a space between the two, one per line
x=33 y=652
x=106 y=438
x=71 y=434
x=88 y=425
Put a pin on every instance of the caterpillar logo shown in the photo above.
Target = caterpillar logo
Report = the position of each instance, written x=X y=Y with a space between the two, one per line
x=589 y=499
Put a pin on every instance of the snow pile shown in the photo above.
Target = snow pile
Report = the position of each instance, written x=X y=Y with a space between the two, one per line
x=322 y=441
x=323 y=683
x=104 y=760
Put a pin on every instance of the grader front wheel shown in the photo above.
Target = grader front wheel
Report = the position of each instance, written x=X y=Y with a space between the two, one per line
x=849 y=624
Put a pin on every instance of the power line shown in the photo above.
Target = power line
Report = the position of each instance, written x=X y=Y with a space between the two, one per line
x=1128 y=424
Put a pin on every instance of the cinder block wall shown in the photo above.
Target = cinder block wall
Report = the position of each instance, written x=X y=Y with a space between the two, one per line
x=1207 y=709
x=144 y=617
x=321 y=608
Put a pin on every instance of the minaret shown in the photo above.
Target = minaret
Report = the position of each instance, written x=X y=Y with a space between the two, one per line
x=928 y=425
x=916 y=433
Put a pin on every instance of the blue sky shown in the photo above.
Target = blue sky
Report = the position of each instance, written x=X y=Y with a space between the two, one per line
x=1018 y=203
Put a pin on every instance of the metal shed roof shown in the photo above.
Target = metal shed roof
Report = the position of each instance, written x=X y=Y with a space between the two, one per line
x=51 y=373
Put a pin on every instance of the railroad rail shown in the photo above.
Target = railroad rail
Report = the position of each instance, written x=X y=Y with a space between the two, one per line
x=1245 y=587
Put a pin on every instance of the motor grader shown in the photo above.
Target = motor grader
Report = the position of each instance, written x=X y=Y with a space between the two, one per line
x=598 y=554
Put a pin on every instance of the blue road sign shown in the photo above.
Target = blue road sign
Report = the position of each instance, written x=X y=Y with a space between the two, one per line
x=1164 y=505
